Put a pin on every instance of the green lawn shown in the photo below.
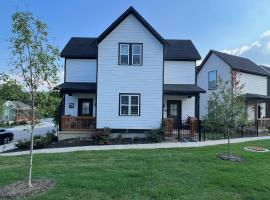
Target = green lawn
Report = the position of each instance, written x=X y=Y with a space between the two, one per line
x=191 y=173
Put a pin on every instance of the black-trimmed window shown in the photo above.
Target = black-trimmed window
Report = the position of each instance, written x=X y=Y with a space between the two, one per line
x=130 y=53
x=212 y=80
x=129 y=104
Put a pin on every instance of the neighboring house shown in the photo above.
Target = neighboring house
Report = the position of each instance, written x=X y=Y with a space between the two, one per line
x=252 y=76
x=15 y=111
x=128 y=79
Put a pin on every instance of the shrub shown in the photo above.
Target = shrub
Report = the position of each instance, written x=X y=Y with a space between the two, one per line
x=156 y=135
x=101 y=136
x=39 y=141
x=23 y=144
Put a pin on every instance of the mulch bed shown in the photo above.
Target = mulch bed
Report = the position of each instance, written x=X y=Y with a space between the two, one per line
x=20 y=189
x=86 y=142
x=231 y=158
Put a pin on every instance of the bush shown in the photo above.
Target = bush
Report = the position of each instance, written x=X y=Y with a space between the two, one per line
x=23 y=144
x=101 y=136
x=39 y=141
x=156 y=135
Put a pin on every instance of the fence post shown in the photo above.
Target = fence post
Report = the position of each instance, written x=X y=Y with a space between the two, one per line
x=242 y=131
x=178 y=131
x=199 y=129
x=257 y=127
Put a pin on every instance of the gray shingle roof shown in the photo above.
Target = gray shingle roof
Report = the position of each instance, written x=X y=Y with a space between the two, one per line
x=237 y=62
x=87 y=48
x=180 y=50
x=182 y=89
x=80 y=47
x=267 y=69
x=77 y=86
x=250 y=97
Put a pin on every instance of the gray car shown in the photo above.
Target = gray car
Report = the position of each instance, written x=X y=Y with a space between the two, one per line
x=6 y=136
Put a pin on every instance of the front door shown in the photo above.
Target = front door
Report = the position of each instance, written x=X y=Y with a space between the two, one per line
x=85 y=107
x=174 y=109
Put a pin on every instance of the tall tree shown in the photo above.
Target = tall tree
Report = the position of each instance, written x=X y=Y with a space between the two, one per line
x=226 y=106
x=11 y=90
x=34 y=59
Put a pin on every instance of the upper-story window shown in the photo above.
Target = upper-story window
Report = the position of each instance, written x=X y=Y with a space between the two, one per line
x=212 y=80
x=124 y=54
x=130 y=53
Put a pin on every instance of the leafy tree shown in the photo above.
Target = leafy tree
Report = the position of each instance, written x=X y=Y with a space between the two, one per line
x=48 y=103
x=226 y=106
x=12 y=91
x=34 y=59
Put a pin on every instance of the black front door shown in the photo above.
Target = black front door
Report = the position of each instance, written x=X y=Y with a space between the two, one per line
x=174 y=109
x=85 y=107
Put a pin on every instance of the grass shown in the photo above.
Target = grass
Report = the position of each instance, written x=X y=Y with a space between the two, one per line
x=184 y=173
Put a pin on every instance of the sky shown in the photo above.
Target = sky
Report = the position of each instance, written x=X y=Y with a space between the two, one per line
x=240 y=27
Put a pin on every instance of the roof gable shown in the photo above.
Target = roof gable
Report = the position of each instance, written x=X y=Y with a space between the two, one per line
x=128 y=12
x=237 y=62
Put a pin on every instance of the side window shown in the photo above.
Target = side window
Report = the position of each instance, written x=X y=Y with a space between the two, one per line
x=136 y=54
x=212 y=80
x=130 y=54
x=129 y=105
x=124 y=54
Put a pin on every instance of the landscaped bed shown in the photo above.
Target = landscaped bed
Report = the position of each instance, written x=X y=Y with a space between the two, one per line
x=183 y=173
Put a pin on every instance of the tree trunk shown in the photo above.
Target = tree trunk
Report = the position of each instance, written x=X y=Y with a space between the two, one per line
x=229 y=144
x=32 y=140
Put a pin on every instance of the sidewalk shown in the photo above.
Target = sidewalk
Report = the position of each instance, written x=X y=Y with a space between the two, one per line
x=137 y=146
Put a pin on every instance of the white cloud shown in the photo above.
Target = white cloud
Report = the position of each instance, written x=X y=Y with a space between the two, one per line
x=258 y=51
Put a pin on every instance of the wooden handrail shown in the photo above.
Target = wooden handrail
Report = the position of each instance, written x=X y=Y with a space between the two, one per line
x=79 y=123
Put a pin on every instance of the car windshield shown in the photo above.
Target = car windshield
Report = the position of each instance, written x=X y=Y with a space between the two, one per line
x=2 y=130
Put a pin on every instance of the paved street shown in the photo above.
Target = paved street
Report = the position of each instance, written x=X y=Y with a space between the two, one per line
x=22 y=132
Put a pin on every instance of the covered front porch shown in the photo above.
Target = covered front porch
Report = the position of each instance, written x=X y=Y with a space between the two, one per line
x=181 y=111
x=78 y=109
x=258 y=110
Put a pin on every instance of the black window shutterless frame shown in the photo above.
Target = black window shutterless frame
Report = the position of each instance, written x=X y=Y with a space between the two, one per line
x=139 y=103
x=130 y=57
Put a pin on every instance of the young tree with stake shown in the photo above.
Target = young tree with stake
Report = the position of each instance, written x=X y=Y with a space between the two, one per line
x=35 y=61
x=226 y=106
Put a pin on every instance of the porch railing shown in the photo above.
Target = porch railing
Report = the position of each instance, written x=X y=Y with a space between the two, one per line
x=80 y=123
x=263 y=123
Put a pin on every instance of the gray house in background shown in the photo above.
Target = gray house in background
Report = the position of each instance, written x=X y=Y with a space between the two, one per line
x=255 y=79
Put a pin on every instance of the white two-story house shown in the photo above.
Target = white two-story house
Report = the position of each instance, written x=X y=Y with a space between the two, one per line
x=128 y=79
x=253 y=77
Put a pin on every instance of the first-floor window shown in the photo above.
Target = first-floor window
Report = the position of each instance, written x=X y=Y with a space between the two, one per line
x=129 y=104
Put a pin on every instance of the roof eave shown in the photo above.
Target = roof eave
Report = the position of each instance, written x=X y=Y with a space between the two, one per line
x=129 y=11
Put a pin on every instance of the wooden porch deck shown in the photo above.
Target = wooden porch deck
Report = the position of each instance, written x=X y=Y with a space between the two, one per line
x=78 y=123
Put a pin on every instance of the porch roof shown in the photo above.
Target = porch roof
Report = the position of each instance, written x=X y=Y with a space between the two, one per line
x=77 y=87
x=256 y=97
x=187 y=89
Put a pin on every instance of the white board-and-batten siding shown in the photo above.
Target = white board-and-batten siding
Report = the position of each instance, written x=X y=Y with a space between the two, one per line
x=179 y=72
x=223 y=70
x=114 y=79
x=81 y=70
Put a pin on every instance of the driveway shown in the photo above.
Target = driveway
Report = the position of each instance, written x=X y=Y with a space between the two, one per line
x=23 y=132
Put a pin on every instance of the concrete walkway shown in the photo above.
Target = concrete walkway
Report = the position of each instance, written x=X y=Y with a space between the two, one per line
x=138 y=146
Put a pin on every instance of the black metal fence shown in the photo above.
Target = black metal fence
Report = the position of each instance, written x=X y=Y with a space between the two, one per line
x=192 y=130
